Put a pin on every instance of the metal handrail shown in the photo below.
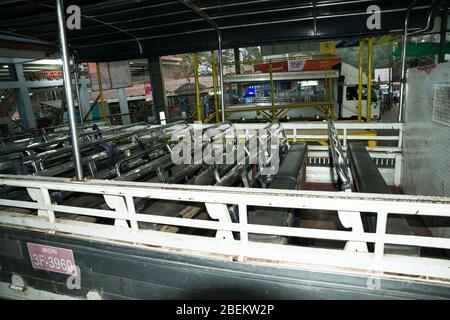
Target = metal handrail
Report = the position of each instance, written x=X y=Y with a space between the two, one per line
x=381 y=205
x=340 y=164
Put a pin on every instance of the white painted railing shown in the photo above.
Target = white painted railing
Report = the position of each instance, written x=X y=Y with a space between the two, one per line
x=121 y=196
x=388 y=158
x=302 y=131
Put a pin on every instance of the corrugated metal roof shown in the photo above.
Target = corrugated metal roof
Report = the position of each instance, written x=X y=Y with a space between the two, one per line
x=111 y=29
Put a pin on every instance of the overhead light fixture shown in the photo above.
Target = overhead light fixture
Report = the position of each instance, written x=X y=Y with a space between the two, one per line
x=6 y=66
x=47 y=62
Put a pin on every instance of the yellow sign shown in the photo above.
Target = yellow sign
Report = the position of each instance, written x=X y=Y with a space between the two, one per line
x=328 y=48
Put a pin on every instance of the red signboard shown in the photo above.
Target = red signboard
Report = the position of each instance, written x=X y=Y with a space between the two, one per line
x=148 y=90
x=428 y=69
x=299 y=65
x=52 y=259
x=276 y=67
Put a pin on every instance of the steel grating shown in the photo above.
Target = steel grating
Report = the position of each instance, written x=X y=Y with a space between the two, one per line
x=426 y=142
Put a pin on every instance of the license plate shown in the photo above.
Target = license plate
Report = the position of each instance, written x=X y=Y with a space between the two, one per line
x=52 y=259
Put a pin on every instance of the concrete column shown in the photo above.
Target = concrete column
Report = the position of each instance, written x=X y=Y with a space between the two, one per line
x=237 y=60
x=123 y=103
x=158 y=88
x=24 y=102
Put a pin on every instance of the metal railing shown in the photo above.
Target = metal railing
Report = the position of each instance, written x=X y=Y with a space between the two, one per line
x=121 y=196
x=385 y=132
x=338 y=157
x=384 y=142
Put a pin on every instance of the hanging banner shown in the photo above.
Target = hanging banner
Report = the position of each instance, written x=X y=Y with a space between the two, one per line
x=313 y=64
x=115 y=75
x=104 y=73
x=120 y=74
x=299 y=65
x=281 y=66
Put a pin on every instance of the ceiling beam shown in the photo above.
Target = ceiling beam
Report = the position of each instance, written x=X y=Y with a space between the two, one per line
x=96 y=20
x=201 y=13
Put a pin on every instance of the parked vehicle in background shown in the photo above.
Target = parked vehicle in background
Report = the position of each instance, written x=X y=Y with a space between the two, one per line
x=350 y=90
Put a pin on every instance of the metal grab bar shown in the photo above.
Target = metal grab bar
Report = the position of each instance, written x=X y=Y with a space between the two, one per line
x=137 y=155
x=64 y=151
x=338 y=158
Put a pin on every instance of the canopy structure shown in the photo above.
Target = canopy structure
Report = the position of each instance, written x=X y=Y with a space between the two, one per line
x=124 y=29
x=421 y=49
x=354 y=42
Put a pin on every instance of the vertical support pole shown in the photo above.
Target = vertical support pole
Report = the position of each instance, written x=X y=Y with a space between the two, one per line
x=222 y=95
x=237 y=68
x=369 y=81
x=160 y=108
x=42 y=196
x=123 y=104
x=398 y=171
x=237 y=60
x=403 y=79
x=272 y=91
x=25 y=108
x=380 y=232
x=60 y=117
x=132 y=212
x=353 y=220
x=345 y=139
x=77 y=90
x=220 y=212
x=443 y=39
x=331 y=96
x=361 y=79
x=198 y=102
x=100 y=89
x=24 y=105
x=243 y=221
x=68 y=88
x=400 y=137
x=215 y=84
x=391 y=80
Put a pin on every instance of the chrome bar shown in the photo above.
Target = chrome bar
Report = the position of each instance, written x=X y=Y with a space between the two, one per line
x=222 y=94
x=338 y=158
x=68 y=87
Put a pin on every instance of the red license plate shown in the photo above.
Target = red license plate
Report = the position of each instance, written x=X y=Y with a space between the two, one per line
x=52 y=259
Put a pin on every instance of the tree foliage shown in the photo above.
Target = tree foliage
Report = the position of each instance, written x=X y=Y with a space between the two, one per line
x=186 y=70
x=382 y=58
